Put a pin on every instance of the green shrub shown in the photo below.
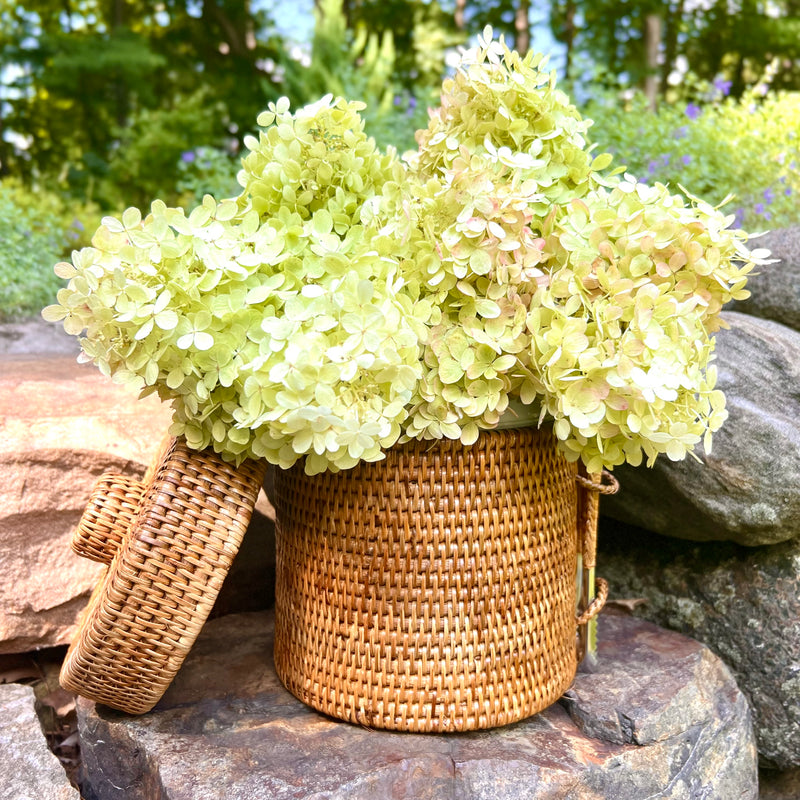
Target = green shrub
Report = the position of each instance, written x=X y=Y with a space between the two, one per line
x=206 y=170
x=361 y=68
x=145 y=164
x=748 y=148
x=37 y=229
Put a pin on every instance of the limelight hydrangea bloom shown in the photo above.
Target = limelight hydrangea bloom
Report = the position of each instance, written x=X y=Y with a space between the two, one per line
x=583 y=294
x=347 y=300
x=279 y=324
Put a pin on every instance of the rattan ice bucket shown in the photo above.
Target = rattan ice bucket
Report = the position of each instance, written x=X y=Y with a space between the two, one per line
x=434 y=590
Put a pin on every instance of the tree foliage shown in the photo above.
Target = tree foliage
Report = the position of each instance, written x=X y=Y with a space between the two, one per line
x=86 y=81
x=101 y=99
x=735 y=39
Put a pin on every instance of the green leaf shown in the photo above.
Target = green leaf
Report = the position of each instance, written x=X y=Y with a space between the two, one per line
x=602 y=161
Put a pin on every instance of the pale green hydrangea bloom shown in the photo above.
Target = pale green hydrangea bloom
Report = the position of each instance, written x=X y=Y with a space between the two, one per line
x=347 y=300
x=278 y=324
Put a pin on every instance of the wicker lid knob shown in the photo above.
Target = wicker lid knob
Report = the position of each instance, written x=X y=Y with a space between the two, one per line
x=112 y=508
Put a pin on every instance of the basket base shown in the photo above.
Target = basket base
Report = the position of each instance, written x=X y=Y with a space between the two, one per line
x=453 y=717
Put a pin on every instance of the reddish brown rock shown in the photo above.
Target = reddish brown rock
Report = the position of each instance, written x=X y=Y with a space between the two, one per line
x=61 y=425
x=661 y=718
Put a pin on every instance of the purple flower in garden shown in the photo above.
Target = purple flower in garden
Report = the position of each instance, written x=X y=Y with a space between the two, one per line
x=769 y=195
x=768 y=215
x=680 y=133
x=759 y=208
x=788 y=191
x=665 y=159
x=188 y=156
x=652 y=166
x=77 y=224
x=686 y=160
x=398 y=100
x=693 y=111
x=738 y=217
x=723 y=86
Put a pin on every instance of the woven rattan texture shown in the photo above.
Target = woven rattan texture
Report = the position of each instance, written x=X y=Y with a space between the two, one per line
x=434 y=590
x=163 y=579
x=108 y=516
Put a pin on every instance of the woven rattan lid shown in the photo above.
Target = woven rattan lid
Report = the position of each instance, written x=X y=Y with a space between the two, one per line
x=169 y=541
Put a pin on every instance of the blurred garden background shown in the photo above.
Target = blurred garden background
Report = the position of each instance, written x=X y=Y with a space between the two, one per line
x=110 y=103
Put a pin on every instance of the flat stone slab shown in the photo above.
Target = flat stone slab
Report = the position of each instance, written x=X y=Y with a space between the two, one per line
x=28 y=770
x=661 y=717
x=34 y=335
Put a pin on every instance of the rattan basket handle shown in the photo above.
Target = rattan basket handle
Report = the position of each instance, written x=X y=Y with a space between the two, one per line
x=593 y=485
x=114 y=503
x=602 y=482
x=596 y=606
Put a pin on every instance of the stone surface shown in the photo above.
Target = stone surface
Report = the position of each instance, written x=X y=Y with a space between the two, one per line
x=741 y=602
x=746 y=490
x=36 y=336
x=28 y=770
x=775 y=291
x=250 y=584
x=660 y=718
x=61 y=426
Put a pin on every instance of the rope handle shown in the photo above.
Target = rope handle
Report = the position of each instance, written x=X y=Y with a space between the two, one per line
x=596 y=606
x=607 y=484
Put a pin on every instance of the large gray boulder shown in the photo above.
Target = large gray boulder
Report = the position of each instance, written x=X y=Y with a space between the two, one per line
x=743 y=603
x=775 y=290
x=28 y=770
x=660 y=718
x=746 y=490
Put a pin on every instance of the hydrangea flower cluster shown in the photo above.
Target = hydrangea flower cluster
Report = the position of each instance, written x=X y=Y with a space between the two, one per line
x=278 y=324
x=584 y=294
x=348 y=300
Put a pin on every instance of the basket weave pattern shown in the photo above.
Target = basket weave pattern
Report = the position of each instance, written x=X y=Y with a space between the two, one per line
x=171 y=541
x=434 y=590
x=109 y=515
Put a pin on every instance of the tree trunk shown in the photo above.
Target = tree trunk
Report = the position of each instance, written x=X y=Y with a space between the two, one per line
x=522 y=26
x=674 y=19
x=461 y=6
x=652 y=40
x=569 y=35
x=120 y=89
x=67 y=15
x=5 y=150
x=117 y=13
